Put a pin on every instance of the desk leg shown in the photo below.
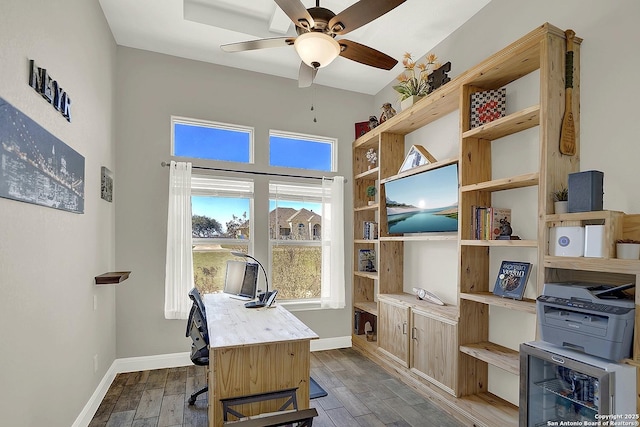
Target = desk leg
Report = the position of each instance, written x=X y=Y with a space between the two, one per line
x=242 y=371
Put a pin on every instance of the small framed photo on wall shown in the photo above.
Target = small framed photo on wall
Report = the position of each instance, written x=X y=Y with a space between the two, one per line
x=106 y=184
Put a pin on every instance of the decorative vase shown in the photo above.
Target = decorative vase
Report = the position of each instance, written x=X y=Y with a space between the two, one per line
x=560 y=207
x=628 y=251
x=408 y=102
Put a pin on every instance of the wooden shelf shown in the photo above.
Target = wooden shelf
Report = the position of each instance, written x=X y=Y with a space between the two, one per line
x=369 y=174
x=365 y=241
x=368 y=306
x=520 y=181
x=112 y=277
x=505 y=243
x=367 y=207
x=436 y=105
x=495 y=355
x=366 y=274
x=508 y=125
x=420 y=169
x=486 y=409
x=526 y=305
x=421 y=237
x=445 y=311
x=608 y=265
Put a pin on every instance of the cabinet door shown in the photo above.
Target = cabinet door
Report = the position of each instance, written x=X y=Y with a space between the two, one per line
x=393 y=331
x=434 y=349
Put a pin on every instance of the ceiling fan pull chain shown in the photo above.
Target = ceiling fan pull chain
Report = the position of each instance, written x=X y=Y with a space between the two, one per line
x=313 y=96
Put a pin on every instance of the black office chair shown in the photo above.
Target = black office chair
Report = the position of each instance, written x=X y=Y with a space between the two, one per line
x=197 y=330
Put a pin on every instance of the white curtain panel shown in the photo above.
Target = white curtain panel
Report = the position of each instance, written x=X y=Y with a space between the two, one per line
x=179 y=269
x=333 y=283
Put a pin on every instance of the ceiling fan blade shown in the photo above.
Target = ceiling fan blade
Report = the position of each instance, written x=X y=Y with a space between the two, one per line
x=307 y=75
x=366 y=55
x=361 y=13
x=258 y=44
x=296 y=11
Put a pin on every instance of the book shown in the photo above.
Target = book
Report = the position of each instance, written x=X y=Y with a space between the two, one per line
x=370 y=230
x=367 y=260
x=497 y=215
x=485 y=221
x=512 y=279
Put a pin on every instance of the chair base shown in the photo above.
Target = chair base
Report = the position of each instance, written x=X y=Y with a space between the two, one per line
x=192 y=398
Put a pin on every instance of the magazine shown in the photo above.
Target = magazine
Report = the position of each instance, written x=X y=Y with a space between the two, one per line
x=512 y=279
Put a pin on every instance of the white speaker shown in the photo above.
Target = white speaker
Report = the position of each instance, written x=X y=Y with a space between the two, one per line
x=566 y=241
x=594 y=241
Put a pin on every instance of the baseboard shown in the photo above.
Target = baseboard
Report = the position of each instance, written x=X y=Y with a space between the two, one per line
x=163 y=361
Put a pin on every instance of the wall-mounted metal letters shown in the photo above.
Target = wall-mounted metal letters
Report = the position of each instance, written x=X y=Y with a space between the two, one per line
x=50 y=90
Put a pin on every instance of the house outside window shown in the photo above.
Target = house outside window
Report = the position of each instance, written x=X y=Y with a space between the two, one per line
x=296 y=253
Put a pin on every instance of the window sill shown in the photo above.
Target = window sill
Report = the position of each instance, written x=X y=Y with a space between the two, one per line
x=300 y=305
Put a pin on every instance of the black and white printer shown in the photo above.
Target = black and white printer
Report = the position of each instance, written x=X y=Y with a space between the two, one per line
x=597 y=319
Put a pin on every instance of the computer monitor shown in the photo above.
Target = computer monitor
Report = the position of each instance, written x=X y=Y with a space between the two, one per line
x=241 y=279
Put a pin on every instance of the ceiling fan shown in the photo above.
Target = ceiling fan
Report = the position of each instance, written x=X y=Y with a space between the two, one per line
x=317 y=27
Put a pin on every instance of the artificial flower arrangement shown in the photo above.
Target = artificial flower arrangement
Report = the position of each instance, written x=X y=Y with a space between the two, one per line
x=412 y=82
x=372 y=157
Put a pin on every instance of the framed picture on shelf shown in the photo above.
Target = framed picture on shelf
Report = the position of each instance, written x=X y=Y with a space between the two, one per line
x=417 y=156
x=367 y=260
x=361 y=129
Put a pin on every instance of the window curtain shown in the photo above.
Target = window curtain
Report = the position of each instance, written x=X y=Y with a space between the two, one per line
x=179 y=268
x=333 y=283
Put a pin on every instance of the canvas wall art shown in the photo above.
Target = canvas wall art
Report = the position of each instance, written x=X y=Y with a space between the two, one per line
x=35 y=166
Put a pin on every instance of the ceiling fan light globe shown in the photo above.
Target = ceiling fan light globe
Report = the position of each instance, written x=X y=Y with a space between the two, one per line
x=316 y=49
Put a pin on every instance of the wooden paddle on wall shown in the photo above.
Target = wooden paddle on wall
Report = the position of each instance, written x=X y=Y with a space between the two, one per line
x=568 y=131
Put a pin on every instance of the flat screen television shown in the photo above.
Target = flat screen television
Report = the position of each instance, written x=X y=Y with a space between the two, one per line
x=426 y=202
x=241 y=279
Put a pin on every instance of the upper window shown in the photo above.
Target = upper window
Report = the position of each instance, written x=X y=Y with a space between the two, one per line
x=302 y=151
x=211 y=140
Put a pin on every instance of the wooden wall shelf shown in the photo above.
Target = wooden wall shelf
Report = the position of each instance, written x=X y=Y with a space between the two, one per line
x=112 y=278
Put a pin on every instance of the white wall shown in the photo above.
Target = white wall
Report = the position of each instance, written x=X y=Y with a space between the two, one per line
x=609 y=140
x=151 y=88
x=48 y=258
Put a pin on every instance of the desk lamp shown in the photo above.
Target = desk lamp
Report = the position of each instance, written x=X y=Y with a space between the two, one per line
x=264 y=297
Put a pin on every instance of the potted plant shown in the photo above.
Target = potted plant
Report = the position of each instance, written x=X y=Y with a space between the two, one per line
x=371 y=193
x=560 y=199
x=412 y=86
x=628 y=249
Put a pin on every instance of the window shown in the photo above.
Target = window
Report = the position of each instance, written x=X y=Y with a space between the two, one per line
x=221 y=223
x=211 y=140
x=302 y=151
x=296 y=253
x=304 y=262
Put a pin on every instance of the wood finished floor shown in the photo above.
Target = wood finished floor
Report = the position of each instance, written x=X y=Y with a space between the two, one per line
x=360 y=394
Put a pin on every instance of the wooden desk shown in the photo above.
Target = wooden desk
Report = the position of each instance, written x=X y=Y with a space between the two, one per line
x=254 y=351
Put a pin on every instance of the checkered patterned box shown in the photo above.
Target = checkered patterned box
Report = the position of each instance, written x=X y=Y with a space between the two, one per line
x=487 y=106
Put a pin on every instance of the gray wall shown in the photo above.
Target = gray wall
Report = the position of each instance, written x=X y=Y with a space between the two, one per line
x=48 y=258
x=152 y=87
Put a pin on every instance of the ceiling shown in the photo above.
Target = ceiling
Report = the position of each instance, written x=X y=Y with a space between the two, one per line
x=195 y=29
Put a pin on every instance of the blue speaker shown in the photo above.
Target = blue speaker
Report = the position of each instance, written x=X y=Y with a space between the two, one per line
x=585 y=191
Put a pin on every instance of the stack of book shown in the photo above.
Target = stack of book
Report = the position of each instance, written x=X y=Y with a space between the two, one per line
x=485 y=221
x=370 y=230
